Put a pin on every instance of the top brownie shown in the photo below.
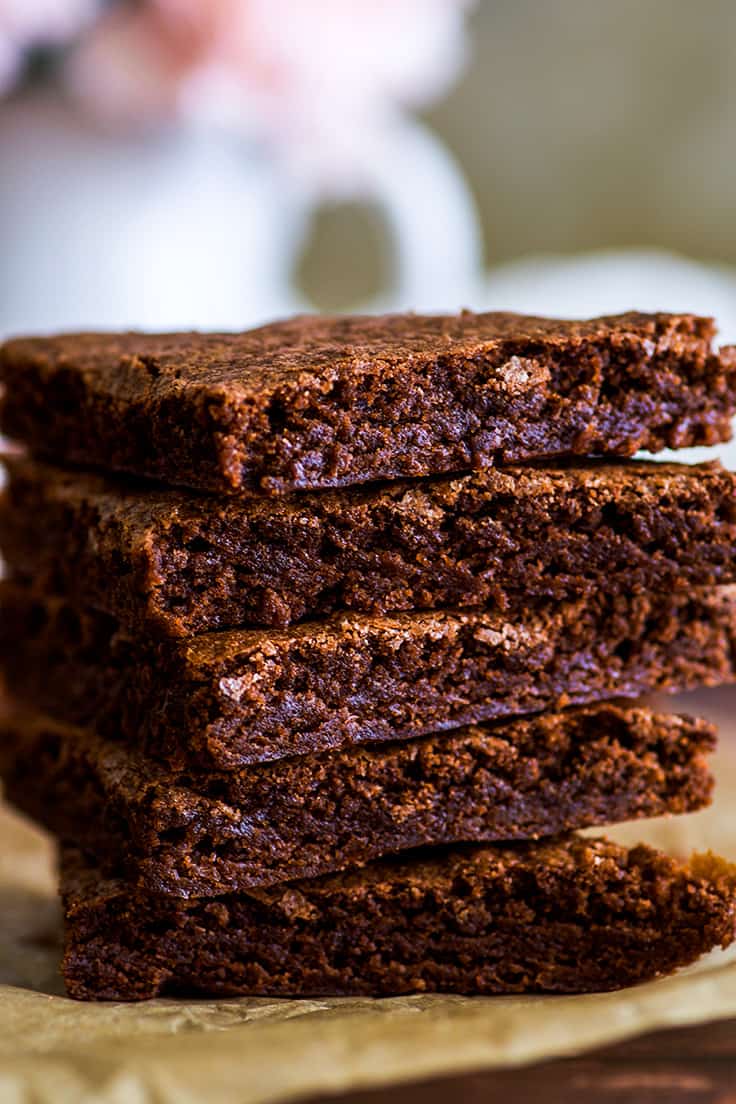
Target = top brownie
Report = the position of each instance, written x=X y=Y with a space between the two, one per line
x=323 y=402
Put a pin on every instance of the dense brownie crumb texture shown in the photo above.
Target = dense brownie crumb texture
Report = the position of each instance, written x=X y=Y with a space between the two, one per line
x=321 y=640
x=564 y=916
x=203 y=834
x=325 y=402
x=171 y=563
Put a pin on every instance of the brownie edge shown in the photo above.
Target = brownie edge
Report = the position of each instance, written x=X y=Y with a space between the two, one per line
x=325 y=402
x=570 y=915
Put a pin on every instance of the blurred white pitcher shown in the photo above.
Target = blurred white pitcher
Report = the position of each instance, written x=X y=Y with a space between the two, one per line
x=185 y=230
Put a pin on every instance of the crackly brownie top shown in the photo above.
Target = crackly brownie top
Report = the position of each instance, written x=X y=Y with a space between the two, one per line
x=309 y=350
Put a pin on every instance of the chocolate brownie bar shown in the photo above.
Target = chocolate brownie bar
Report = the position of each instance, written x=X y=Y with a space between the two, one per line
x=327 y=402
x=570 y=915
x=172 y=564
x=231 y=698
x=198 y=835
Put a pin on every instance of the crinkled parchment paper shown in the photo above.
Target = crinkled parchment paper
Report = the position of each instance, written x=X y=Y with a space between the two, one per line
x=56 y=1050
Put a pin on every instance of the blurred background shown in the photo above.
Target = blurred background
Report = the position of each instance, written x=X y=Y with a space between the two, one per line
x=215 y=163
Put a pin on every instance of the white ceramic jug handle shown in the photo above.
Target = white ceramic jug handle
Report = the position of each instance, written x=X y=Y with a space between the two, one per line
x=435 y=232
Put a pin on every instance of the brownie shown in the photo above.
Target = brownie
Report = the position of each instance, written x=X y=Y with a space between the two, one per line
x=200 y=834
x=231 y=698
x=325 y=402
x=171 y=564
x=570 y=915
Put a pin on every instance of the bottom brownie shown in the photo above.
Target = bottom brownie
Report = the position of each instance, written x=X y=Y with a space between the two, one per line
x=570 y=915
x=204 y=834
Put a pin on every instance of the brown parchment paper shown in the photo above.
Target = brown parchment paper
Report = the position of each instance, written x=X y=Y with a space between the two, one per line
x=252 y=1051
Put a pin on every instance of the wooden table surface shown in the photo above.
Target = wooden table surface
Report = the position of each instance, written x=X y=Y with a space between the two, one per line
x=694 y=1065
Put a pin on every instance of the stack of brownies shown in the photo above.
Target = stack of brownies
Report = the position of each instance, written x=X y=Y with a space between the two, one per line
x=320 y=638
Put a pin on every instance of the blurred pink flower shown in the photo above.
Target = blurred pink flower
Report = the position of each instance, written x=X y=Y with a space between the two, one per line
x=25 y=23
x=307 y=76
